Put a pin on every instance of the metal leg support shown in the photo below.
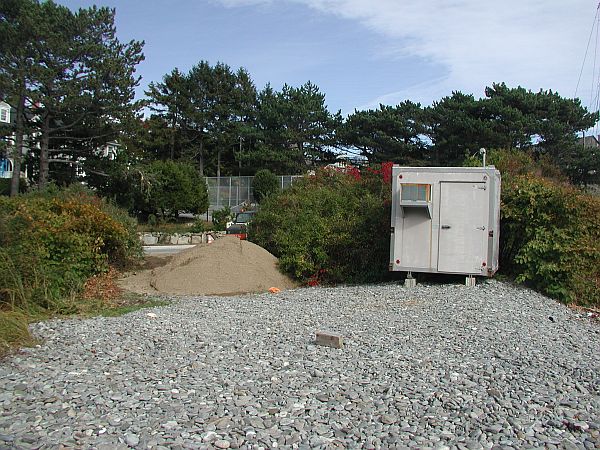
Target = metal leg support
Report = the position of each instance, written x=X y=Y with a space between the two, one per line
x=470 y=281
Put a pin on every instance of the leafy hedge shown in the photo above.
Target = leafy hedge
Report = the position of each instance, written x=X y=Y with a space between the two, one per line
x=332 y=227
x=51 y=242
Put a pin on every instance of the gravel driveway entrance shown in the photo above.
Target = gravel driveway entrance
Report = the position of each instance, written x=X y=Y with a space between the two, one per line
x=436 y=366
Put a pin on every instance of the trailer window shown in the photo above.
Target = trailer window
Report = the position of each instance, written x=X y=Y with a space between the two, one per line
x=416 y=192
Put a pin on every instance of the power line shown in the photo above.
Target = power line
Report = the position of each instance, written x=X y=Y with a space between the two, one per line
x=586 y=49
x=594 y=68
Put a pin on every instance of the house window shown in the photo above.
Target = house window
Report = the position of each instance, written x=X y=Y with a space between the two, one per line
x=416 y=192
x=5 y=166
x=4 y=114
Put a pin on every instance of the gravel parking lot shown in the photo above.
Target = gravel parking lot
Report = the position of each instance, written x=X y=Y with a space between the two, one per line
x=439 y=366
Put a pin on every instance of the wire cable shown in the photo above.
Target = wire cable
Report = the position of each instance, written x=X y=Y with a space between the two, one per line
x=586 y=50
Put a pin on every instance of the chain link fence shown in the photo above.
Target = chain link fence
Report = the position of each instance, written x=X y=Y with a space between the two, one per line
x=235 y=191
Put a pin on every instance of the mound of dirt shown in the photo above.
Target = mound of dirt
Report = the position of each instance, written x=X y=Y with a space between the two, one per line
x=225 y=267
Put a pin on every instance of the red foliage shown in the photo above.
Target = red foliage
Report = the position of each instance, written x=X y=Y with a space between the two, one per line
x=384 y=170
x=316 y=279
x=103 y=287
x=354 y=172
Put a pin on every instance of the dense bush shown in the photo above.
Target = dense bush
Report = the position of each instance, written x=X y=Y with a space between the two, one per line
x=265 y=183
x=332 y=227
x=550 y=238
x=220 y=217
x=159 y=188
x=518 y=162
x=173 y=186
x=51 y=242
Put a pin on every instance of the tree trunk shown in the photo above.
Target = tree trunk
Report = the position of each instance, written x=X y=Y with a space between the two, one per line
x=44 y=150
x=17 y=153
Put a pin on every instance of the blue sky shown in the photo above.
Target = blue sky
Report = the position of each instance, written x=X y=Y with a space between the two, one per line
x=364 y=52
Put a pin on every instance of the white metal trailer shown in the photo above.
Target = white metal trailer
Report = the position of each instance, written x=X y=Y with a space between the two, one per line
x=445 y=220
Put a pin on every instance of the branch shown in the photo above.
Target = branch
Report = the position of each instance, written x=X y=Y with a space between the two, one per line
x=89 y=138
x=77 y=163
x=71 y=125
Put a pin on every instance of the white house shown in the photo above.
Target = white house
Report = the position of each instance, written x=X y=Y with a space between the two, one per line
x=6 y=164
x=4 y=112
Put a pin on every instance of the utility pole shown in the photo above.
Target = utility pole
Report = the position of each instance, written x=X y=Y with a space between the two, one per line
x=240 y=158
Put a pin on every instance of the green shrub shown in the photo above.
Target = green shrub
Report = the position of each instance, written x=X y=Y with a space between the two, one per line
x=220 y=217
x=549 y=235
x=550 y=238
x=160 y=188
x=265 y=183
x=152 y=220
x=175 y=186
x=519 y=162
x=51 y=242
x=199 y=226
x=333 y=227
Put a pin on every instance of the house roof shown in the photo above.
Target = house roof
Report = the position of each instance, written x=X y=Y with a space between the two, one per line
x=589 y=141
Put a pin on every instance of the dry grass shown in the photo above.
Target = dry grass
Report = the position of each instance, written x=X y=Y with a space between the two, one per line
x=101 y=296
x=14 y=331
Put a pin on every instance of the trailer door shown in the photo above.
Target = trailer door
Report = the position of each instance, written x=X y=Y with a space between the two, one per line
x=462 y=232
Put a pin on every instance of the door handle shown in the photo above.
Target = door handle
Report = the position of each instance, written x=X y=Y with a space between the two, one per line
x=445 y=227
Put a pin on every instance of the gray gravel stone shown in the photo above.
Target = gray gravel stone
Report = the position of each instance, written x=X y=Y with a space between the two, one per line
x=437 y=366
x=132 y=440
x=221 y=443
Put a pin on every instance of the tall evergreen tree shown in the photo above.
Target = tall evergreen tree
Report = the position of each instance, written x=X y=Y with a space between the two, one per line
x=19 y=20
x=295 y=127
x=541 y=122
x=75 y=74
x=390 y=133
x=85 y=80
x=456 y=129
x=169 y=99
x=215 y=106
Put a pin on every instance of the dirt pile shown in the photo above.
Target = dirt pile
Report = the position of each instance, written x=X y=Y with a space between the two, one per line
x=227 y=266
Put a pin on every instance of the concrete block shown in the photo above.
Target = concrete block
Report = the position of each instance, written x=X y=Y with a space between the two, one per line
x=149 y=239
x=183 y=239
x=164 y=238
x=329 y=339
x=410 y=282
x=196 y=239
